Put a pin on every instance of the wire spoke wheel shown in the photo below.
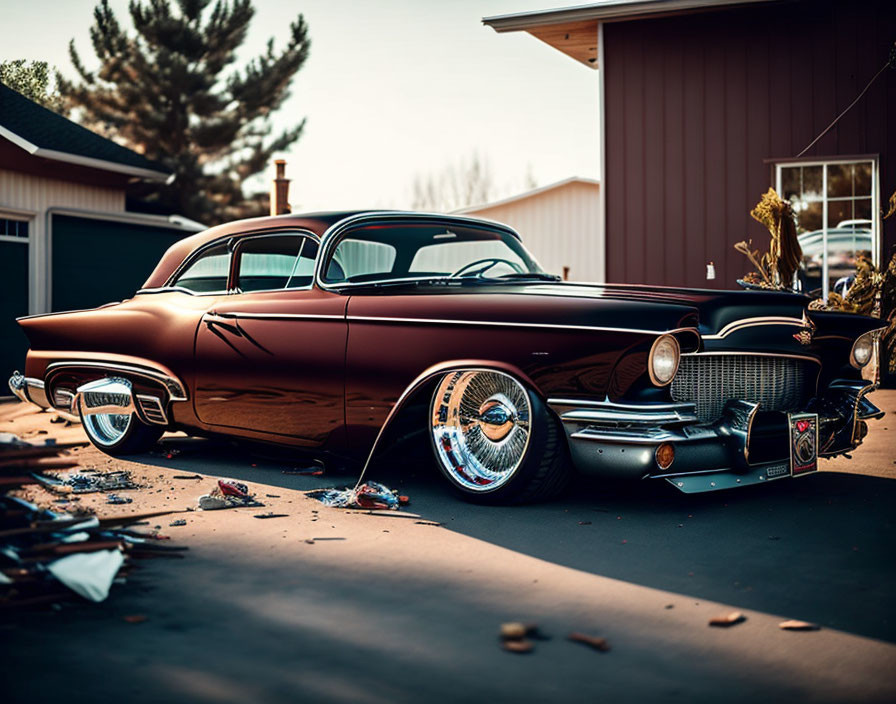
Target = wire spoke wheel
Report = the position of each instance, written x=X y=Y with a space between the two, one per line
x=107 y=428
x=481 y=428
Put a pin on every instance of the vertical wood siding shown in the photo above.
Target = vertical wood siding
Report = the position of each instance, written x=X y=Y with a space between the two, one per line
x=560 y=227
x=696 y=105
x=28 y=192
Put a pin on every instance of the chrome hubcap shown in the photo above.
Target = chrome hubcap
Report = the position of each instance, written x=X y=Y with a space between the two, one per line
x=480 y=425
x=106 y=428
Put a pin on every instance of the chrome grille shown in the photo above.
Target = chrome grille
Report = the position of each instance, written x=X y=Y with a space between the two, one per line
x=710 y=381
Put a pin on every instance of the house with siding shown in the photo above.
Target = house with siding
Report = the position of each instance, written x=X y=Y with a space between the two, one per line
x=559 y=223
x=67 y=240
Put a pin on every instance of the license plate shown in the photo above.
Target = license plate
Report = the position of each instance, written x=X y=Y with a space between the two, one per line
x=803 y=443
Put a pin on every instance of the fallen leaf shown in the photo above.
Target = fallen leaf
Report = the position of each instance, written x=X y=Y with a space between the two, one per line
x=727 y=620
x=513 y=630
x=794 y=625
x=600 y=644
x=517 y=646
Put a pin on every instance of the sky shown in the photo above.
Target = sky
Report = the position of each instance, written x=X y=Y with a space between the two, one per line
x=393 y=90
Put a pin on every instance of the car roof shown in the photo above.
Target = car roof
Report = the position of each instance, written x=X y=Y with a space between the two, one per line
x=317 y=223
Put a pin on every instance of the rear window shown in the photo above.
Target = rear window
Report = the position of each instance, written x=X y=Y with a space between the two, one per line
x=208 y=273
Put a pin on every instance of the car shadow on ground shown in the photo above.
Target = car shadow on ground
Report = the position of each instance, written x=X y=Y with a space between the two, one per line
x=818 y=548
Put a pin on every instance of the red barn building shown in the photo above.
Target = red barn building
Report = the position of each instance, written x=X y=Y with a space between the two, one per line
x=705 y=104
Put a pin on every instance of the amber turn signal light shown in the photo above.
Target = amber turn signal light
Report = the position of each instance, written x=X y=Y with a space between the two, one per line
x=665 y=455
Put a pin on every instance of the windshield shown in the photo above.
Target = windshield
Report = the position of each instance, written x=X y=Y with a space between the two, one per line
x=416 y=251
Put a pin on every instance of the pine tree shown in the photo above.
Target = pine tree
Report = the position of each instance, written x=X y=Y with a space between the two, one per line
x=34 y=80
x=170 y=91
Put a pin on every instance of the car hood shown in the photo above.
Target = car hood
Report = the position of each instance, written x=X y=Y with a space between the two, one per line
x=725 y=319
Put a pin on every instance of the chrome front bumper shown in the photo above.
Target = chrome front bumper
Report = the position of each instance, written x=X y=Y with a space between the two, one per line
x=745 y=446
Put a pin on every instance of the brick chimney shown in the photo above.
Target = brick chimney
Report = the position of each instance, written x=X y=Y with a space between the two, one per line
x=280 y=191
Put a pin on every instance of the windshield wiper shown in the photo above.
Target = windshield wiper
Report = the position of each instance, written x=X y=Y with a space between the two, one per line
x=536 y=275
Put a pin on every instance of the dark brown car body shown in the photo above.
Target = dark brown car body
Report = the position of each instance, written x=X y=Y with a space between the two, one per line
x=326 y=369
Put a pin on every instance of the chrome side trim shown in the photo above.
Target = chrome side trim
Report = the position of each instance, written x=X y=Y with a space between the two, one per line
x=639 y=407
x=176 y=389
x=151 y=409
x=752 y=322
x=277 y=316
x=626 y=437
x=504 y=323
x=611 y=416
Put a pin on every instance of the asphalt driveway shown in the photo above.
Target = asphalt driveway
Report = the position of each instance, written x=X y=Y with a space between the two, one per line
x=393 y=608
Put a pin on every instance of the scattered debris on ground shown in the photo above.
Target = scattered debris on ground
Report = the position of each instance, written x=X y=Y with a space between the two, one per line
x=794 y=625
x=228 y=494
x=727 y=620
x=370 y=495
x=271 y=514
x=45 y=556
x=600 y=644
x=89 y=483
x=517 y=637
x=188 y=476
x=178 y=522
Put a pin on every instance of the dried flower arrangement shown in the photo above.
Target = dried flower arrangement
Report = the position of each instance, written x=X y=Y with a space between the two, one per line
x=776 y=268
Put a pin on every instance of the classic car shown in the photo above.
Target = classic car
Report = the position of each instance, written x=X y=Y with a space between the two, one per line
x=328 y=332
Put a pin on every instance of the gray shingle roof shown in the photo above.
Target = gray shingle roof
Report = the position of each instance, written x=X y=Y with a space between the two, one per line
x=44 y=133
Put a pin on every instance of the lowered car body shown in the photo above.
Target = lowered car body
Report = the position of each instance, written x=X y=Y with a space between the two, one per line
x=324 y=331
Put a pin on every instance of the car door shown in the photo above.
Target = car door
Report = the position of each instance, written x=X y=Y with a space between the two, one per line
x=270 y=356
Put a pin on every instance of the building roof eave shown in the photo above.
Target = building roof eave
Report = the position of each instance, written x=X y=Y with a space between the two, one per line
x=102 y=164
x=611 y=10
x=526 y=194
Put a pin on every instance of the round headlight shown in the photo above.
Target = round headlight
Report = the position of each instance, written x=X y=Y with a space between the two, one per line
x=862 y=350
x=663 y=360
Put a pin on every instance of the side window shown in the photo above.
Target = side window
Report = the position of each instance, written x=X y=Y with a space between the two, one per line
x=360 y=260
x=208 y=273
x=275 y=262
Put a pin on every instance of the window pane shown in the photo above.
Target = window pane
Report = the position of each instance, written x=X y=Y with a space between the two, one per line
x=808 y=216
x=453 y=256
x=840 y=180
x=356 y=259
x=840 y=213
x=208 y=273
x=276 y=262
x=13 y=228
x=791 y=183
x=863 y=178
x=812 y=182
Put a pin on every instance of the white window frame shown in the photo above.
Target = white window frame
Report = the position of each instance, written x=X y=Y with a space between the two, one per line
x=18 y=217
x=875 y=203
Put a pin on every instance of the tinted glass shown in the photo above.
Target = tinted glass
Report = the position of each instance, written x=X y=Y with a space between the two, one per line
x=208 y=273
x=410 y=250
x=275 y=262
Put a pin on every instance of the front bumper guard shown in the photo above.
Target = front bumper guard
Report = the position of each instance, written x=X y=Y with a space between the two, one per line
x=745 y=446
